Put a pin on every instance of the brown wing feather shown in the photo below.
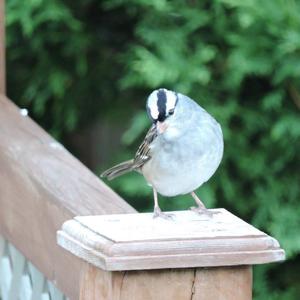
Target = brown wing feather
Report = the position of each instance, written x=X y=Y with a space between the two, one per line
x=141 y=157
x=143 y=153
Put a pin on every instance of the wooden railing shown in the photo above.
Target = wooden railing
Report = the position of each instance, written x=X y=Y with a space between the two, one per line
x=2 y=48
x=43 y=189
x=42 y=185
x=20 y=279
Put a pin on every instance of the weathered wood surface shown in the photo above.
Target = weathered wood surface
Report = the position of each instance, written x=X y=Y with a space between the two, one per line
x=223 y=283
x=139 y=242
x=42 y=185
x=2 y=48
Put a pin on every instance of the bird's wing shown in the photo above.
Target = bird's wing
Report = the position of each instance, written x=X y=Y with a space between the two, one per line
x=143 y=153
x=141 y=157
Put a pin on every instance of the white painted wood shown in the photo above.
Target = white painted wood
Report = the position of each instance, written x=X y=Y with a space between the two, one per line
x=5 y=270
x=26 y=287
x=20 y=280
x=54 y=292
x=38 y=282
x=137 y=241
x=18 y=266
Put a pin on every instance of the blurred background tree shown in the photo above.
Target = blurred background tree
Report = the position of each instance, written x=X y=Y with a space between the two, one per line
x=84 y=69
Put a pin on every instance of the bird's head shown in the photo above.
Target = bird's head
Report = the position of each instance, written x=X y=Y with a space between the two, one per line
x=161 y=106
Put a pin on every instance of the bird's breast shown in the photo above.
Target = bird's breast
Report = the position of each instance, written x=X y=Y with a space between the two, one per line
x=182 y=166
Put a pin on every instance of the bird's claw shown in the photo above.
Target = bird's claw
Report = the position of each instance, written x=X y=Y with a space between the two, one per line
x=157 y=213
x=204 y=211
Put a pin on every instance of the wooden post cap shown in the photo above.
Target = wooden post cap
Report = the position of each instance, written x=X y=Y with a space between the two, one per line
x=138 y=241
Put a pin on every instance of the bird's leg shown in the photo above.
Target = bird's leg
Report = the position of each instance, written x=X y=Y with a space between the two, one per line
x=157 y=211
x=198 y=201
x=200 y=209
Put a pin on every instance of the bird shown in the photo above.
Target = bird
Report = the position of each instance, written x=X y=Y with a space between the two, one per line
x=180 y=152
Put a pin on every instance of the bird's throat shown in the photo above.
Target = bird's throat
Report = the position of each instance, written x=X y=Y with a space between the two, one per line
x=161 y=127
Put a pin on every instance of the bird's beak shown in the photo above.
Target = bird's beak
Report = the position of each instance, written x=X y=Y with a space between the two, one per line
x=161 y=127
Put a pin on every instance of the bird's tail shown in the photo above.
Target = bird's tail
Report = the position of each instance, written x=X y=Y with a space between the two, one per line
x=118 y=170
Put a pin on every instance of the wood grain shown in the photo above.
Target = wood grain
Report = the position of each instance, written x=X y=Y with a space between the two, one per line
x=2 y=48
x=42 y=185
x=139 y=242
x=224 y=283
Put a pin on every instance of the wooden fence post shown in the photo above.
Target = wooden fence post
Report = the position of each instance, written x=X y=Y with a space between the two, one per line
x=2 y=48
x=194 y=256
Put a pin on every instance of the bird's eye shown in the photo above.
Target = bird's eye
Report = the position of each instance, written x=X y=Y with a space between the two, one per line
x=171 y=111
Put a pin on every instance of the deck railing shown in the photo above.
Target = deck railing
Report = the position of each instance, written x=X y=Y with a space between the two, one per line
x=20 y=279
x=2 y=48
x=42 y=185
x=43 y=189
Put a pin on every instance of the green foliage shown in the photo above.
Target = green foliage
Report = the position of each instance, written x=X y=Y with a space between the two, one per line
x=54 y=41
x=61 y=63
x=240 y=59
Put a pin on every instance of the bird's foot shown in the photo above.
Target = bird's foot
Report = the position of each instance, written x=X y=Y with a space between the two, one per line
x=158 y=213
x=204 y=211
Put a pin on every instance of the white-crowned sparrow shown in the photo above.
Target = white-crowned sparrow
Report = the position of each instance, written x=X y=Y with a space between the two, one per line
x=181 y=151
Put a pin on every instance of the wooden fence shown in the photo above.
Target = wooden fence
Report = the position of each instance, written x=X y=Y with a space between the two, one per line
x=43 y=189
